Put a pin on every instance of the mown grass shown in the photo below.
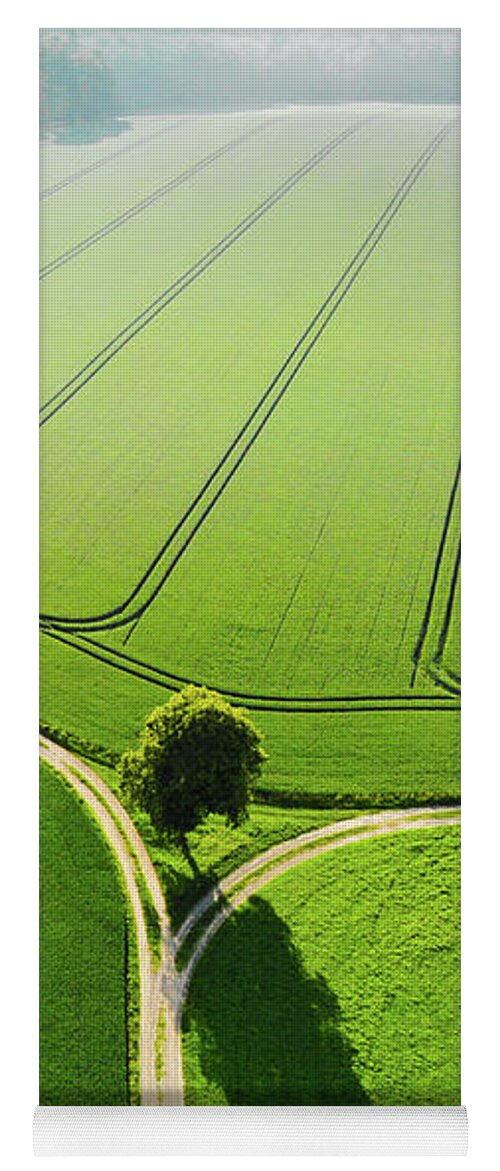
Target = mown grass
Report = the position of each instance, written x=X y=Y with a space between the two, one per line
x=83 y=956
x=338 y=984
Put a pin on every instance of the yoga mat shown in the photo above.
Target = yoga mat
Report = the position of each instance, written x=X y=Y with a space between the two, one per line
x=250 y=592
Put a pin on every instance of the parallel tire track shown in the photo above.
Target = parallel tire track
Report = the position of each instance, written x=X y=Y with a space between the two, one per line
x=443 y=635
x=166 y=990
x=150 y=200
x=285 y=704
x=228 y=899
x=277 y=389
x=121 y=834
x=77 y=175
x=417 y=654
x=75 y=384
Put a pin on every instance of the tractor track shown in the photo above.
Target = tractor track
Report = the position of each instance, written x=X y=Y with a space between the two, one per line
x=89 y=170
x=164 y=991
x=443 y=635
x=74 y=385
x=117 y=660
x=150 y=200
x=252 y=876
x=117 y=617
x=132 y=857
x=417 y=654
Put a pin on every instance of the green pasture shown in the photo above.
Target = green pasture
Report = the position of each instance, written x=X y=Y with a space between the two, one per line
x=347 y=758
x=152 y=152
x=311 y=574
x=152 y=424
x=337 y=985
x=120 y=276
x=83 y=1033
x=320 y=590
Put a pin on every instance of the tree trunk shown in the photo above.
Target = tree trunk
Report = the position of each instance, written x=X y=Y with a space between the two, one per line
x=189 y=856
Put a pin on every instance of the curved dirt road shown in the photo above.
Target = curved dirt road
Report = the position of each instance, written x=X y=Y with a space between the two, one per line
x=246 y=880
x=163 y=988
x=158 y=986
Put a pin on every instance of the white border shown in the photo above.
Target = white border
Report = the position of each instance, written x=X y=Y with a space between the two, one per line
x=481 y=70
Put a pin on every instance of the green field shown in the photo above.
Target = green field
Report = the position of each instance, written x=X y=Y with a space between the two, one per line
x=167 y=510
x=358 y=758
x=217 y=849
x=83 y=1033
x=339 y=984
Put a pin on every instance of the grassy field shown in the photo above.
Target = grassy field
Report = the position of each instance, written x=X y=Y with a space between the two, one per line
x=338 y=589
x=83 y=1035
x=151 y=425
x=217 y=849
x=338 y=985
x=250 y=480
x=346 y=758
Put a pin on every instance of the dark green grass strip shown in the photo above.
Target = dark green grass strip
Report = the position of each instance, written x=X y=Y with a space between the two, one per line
x=133 y=1012
x=83 y=957
x=75 y=384
x=150 y=200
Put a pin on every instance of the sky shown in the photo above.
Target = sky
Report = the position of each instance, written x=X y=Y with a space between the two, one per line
x=96 y=73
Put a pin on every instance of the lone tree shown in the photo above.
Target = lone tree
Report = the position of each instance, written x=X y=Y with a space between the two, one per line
x=197 y=755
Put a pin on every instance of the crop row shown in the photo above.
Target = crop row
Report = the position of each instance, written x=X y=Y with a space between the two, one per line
x=150 y=200
x=123 y=338
x=277 y=388
x=302 y=705
x=91 y=167
x=438 y=563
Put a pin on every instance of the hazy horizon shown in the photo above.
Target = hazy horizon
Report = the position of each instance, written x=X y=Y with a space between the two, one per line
x=95 y=76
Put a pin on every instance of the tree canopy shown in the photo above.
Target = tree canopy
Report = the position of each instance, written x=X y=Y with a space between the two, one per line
x=197 y=755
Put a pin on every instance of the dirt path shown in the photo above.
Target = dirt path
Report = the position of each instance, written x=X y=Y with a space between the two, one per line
x=247 y=880
x=163 y=990
x=158 y=986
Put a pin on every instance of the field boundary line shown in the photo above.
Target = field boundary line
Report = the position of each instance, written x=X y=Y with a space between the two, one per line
x=74 y=385
x=150 y=200
x=320 y=319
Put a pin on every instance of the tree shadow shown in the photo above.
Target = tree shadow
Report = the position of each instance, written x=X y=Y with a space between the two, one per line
x=269 y=1032
x=184 y=890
